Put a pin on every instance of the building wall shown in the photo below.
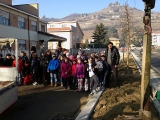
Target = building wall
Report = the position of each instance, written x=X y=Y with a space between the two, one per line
x=156 y=39
x=76 y=34
x=8 y=2
x=13 y=20
x=67 y=44
x=115 y=43
x=60 y=24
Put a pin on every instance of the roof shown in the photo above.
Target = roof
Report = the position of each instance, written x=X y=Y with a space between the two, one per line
x=55 y=37
x=19 y=10
x=59 y=29
x=14 y=8
x=61 y=22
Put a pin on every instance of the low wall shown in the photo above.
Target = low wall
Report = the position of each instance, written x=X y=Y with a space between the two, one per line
x=8 y=98
x=7 y=73
x=8 y=93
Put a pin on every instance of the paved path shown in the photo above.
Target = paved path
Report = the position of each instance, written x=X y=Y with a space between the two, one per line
x=154 y=81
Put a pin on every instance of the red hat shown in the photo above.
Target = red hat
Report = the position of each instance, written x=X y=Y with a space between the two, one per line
x=74 y=59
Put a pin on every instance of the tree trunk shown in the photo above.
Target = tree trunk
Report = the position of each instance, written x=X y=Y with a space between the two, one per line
x=145 y=79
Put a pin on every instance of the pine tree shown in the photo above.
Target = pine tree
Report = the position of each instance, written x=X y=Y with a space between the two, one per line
x=99 y=34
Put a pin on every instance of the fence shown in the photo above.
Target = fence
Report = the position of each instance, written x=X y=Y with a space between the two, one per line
x=12 y=52
x=90 y=50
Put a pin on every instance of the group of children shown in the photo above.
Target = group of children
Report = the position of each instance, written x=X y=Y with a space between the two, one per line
x=85 y=72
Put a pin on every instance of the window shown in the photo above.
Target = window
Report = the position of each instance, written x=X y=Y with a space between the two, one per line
x=4 y=17
x=43 y=28
x=34 y=25
x=64 y=25
x=22 y=44
x=51 y=26
x=21 y=22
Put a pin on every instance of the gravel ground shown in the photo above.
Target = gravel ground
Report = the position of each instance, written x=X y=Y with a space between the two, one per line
x=45 y=103
x=4 y=83
x=123 y=101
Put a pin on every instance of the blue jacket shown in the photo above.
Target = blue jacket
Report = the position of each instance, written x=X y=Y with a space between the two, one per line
x=53 y=65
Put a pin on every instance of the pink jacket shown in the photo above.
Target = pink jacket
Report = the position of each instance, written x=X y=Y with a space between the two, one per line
x=65 y=70
x=80 y=70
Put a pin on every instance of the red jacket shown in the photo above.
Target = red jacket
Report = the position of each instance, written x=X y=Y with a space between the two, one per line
x=65 y=70
x=19 y=64
x=74 y=70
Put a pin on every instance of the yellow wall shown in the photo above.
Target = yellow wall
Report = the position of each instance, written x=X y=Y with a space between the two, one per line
x=30 y=8
x=115 y=43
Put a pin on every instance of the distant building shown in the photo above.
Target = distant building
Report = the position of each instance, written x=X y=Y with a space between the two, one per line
x=115 y=41
x=69 y=30
x=156 y=39
x=22 y=22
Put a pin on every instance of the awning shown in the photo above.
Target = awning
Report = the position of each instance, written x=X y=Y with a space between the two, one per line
x=52 y=37
x=4 y=41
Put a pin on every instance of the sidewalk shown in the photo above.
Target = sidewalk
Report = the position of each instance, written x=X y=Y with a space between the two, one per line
x=154 y=81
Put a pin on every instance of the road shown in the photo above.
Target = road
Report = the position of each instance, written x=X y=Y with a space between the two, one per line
x=155 y=58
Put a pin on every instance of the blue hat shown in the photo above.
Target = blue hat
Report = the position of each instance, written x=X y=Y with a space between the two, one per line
x=85 y=58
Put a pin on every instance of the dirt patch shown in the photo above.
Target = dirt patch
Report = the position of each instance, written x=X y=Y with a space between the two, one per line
x=123 y=101
x=46 y=103
x=5 y=83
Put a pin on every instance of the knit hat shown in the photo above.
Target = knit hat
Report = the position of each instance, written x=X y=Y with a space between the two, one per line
x=8 y=54
x=85 y=58
x=74 y=59
x=71 y=57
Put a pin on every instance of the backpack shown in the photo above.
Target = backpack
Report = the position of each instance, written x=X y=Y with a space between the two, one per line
x=99 y=66
x=27 y=79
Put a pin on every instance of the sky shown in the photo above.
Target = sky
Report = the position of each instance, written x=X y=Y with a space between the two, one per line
x=63 y=8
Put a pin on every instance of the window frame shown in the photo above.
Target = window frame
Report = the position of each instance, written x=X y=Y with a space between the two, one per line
x=21 y=22
x=4 y=18
x=44 y=29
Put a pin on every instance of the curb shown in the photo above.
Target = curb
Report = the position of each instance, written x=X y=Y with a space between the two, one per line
x=154 y=82
x=89 y=107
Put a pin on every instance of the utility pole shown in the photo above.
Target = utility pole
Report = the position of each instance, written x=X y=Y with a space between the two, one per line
x=146 y=60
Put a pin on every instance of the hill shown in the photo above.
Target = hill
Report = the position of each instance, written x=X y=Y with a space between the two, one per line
x=112 y=15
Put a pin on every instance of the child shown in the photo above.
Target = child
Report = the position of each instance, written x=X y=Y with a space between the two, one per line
x=66 y=73
x=106 y=83
x=35 y=65
x=100 y=70
x=93 y=75
x=53 y=68
x=61 y=59
x=86 y=83
x=74 y=80
x=80 y=74
x=19 y=68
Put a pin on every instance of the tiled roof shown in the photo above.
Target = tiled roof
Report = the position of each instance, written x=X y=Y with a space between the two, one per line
x=59 y=29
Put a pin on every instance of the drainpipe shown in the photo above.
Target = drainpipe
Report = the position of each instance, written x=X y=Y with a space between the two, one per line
x=29 y=35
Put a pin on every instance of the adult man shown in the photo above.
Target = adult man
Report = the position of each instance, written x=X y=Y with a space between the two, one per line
x=58 y=50
x=112 y=56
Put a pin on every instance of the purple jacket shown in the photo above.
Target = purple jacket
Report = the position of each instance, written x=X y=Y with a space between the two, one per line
x=80 y=70
x=65 y=70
